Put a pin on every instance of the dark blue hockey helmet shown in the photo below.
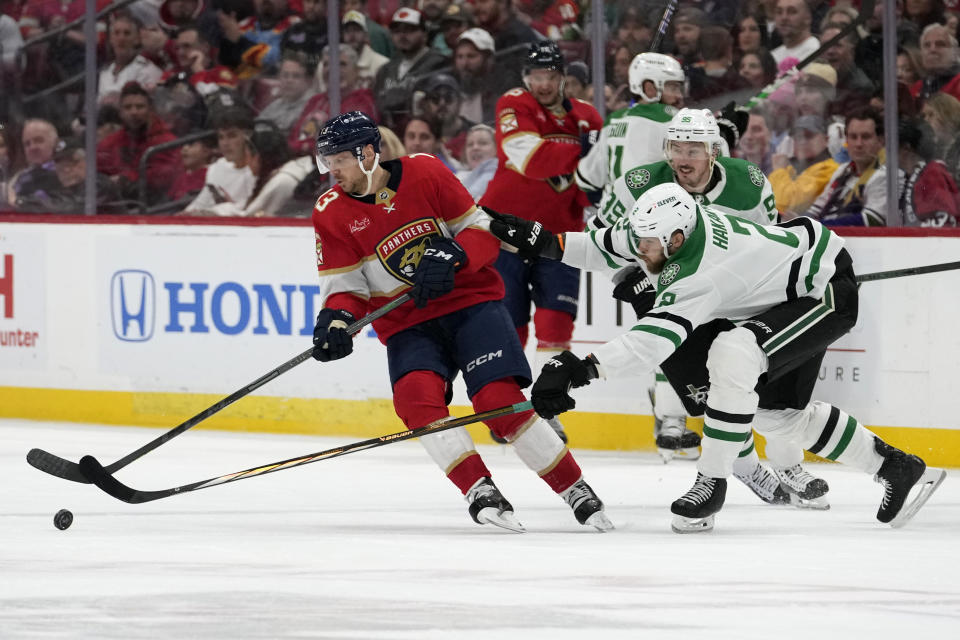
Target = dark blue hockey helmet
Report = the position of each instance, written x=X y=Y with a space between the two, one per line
x=350 y=131
x=544 y=54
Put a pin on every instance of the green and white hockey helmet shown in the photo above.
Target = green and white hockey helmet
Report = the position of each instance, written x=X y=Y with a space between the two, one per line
x=661 y=211
x=693 y=125
x=658 y=69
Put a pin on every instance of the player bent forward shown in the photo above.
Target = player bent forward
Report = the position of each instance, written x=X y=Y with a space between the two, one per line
x=790 y=290
x=409 y=225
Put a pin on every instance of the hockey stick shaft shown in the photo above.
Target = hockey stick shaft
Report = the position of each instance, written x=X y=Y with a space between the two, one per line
x=910 y=271
x=62 y=468
x=866 y=9
x=101 y=477
x=664 y=25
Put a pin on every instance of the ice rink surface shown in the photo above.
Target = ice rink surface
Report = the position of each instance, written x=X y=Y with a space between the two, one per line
x=379 y=545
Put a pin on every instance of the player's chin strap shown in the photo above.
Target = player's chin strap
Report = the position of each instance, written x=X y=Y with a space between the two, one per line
x=369 y=174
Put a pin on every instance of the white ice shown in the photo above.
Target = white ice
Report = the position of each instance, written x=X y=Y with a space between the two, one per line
x=379 y=545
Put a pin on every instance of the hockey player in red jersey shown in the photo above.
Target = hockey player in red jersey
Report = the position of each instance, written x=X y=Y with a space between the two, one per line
x=541 y=137
x=408 y=225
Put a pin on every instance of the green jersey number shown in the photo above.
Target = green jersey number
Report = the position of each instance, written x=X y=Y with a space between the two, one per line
x=614 y=160
x=746 y=227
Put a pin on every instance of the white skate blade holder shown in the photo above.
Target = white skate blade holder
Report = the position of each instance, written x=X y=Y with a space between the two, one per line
x=600 y=522
x=502 y=519
x=815 y=504
x=681 y=524
x=690 y=453
x=931 y=479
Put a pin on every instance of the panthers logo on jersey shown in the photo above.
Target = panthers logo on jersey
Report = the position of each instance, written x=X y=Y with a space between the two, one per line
x=401 y=250
x=637 y=178
x=669 y=274
x=756 y=176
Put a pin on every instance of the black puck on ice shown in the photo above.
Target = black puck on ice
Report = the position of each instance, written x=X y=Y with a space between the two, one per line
x=63 y=519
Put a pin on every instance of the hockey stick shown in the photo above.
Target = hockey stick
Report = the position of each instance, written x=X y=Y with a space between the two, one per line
x=62 y=468
x=866 y=10
x=664 y=25
x=101 y=477
x=909 y=271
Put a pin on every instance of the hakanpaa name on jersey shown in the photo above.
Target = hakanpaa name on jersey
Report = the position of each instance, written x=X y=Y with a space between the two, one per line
x=729 y=267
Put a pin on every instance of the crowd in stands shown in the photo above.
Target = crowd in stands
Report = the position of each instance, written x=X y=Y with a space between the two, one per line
x=234 y=92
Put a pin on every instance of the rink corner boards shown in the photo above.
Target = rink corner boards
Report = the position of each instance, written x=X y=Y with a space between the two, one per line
x=370 y=418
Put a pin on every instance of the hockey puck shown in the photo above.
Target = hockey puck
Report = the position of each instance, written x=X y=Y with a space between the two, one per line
x=63 y=519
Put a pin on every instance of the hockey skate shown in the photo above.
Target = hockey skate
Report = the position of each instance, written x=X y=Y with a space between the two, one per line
x=694 y=511
x=806 y=490
x=898 y=474
x=587 y=507
x=765 y=484
x=675 y=440
x=487 y=505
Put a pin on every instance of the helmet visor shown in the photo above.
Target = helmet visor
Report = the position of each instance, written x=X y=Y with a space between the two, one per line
x=677 y=150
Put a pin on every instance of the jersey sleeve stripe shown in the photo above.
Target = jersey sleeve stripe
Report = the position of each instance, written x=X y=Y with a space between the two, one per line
x=793 y=278
x=660 y=332
x=817 y=255
x=466 y=214
x=606 y=256
x=608 y=245
x=347 y=269
x=683 y=322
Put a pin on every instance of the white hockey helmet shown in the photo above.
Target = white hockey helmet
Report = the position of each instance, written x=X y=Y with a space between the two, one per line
x=694 y=125
x=661 y=211
x=657 y=68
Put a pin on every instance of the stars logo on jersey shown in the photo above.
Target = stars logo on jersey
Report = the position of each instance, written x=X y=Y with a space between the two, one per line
x=401 y=250
x=636 y=178
x=669 y=274
x=756 y=176
x=698 y=394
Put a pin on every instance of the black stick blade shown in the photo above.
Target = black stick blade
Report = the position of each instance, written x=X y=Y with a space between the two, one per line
x=55 y=466
x=95 y=473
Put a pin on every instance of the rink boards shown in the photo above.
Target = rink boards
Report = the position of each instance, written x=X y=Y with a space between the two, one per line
x=149 y=321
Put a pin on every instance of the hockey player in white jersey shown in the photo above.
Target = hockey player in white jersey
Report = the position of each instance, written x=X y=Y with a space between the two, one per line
x=748 y=311
x=634 y=135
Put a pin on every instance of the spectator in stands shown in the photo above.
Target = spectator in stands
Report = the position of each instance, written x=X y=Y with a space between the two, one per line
x=799 y=180
x=316 y=112
x=380 y=40
x=70 y=162
x=292 y=93
x=455 y=20
x=433 y=11
x=194 y=57
x=793 y=20
x=577 y=83
x=438 y=100
x=500 y=21
x=10 y=42
x=942 y=112
x=556 y=19
x=37 y=178
x=686 y=25
x=815 y=89
x=480 y=160
x=716 y=75
x=856 y=193
x=755 y=142
x=8 y=162
x=390 y=146
x=618 y=66
x=924 y=12
x=229 y=179
x=940 y=57
x=633 y=30
x=395 y=80
x=758 y=68
x=928 y=193
x=748 y=34
x=119 y=155
x=252 y=45
x=852 y=82
x=178 y=103
x=128 y=65
x=195 y=158
x=174 y=15
x=721 y=13
x=909 y=68
x=422 y=136
x=473 y=66
x=353 y=32
x=309 y=36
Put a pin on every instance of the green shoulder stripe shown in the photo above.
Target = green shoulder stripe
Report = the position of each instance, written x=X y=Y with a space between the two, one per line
x=661 y=332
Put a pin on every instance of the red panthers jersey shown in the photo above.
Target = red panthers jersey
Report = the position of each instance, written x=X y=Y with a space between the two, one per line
x=369 y=247
x=537 y=151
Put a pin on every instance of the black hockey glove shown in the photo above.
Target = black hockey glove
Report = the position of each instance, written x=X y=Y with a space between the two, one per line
x=587 y=140
x=330 y=338
x=733 y=124
x=530 y=238
x=636 y=289
x=551 y=391
x=434 y=275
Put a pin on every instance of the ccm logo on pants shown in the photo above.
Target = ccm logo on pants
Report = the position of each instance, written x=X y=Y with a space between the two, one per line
x=476 y=362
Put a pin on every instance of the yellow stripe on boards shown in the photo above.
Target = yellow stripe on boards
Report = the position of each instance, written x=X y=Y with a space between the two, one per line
x=359 y=419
